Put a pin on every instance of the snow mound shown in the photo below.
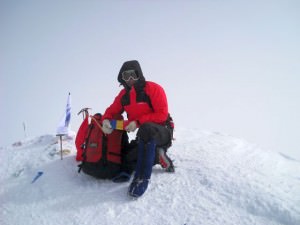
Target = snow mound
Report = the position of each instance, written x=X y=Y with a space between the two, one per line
x=219 y=179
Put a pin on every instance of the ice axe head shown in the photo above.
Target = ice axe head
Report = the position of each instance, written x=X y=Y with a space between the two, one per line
x=85 y=112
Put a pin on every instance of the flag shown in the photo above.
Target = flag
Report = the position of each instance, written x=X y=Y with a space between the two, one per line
x=119 y=124
x=64 y=126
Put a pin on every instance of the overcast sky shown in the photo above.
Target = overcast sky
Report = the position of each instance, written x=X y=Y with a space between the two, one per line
x=226 y=66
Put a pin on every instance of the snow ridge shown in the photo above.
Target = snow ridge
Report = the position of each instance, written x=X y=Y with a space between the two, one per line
x=219 y=179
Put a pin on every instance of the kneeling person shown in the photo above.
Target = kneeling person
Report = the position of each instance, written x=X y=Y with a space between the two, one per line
x=146 y=106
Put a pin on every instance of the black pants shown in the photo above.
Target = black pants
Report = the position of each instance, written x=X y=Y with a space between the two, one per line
x=152 y=131
x=149 y=131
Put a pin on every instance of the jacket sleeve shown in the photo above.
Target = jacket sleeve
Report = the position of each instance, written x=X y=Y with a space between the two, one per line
x=159 y=104
x=115 y=108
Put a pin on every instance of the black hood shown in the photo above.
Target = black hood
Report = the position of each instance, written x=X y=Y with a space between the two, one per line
x=132 y=65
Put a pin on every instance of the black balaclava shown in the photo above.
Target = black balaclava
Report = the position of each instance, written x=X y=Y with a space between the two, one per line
x=132 y=65
x=139 y=85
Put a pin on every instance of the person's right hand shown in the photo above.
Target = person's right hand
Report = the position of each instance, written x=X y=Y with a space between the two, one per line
x=131 y=126
x=106 y=127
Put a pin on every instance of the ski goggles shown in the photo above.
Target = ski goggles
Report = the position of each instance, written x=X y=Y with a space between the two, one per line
x=127 y=74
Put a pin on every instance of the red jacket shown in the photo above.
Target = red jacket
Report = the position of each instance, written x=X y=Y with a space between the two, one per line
x=141 y=111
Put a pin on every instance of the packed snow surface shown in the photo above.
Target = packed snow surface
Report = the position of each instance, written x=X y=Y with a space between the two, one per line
x=219 y=179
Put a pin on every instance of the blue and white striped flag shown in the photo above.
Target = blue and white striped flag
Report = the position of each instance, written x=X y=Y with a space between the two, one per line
x=64 y=126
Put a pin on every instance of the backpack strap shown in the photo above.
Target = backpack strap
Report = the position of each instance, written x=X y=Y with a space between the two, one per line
x=104 y=150
x=84 y=146
x=104 y=140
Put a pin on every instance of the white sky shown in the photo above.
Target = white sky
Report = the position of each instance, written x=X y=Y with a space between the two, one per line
x=227 y=66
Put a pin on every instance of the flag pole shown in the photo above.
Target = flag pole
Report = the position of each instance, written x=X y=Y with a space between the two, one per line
x=63 y=128
x=60 y=138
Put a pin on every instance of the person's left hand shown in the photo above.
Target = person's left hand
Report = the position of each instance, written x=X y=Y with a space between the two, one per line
x=131 y=126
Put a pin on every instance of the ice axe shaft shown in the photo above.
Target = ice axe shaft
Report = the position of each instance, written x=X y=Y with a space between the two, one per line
x=98 y=124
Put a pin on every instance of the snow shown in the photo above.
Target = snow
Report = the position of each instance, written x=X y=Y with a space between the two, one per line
x=219 y=179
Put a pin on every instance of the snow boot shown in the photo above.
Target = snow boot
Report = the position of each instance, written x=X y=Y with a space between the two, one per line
x=138 y=187
x=146 y=156
x=165 y=161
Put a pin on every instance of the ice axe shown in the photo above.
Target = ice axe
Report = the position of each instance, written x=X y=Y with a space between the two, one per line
x=85 y=112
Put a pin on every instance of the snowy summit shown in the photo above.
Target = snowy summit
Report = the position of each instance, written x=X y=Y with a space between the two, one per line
x=219 y=180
